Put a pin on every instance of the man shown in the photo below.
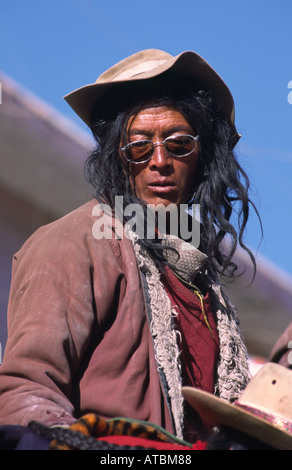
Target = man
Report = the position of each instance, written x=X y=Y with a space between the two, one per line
x=105 y=319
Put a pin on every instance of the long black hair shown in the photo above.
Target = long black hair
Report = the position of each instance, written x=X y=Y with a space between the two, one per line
x=221 y=187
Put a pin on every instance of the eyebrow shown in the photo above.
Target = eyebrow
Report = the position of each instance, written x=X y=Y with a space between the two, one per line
x=167 y=132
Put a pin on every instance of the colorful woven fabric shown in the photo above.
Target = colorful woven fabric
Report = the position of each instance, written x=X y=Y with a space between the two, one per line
x=93 y=432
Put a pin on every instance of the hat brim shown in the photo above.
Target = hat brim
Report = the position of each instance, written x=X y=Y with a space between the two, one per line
x=222 y=413
x=188 y=64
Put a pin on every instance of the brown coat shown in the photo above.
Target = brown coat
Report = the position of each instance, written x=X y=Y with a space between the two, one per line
x=69 y=294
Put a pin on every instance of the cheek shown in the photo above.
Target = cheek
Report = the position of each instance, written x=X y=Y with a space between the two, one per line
x=137 y=177
x=138 y=185
x=128 y=171
x=187 y=173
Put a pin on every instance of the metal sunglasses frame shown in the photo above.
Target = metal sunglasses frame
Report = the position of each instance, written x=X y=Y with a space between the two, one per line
x=163 y=142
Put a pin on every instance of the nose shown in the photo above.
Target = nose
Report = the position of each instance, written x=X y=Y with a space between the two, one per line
x=160 y=158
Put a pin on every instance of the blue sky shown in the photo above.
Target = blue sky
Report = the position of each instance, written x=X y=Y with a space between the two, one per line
x=51 y=48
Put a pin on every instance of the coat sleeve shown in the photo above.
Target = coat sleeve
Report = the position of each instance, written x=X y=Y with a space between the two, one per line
x=50 y=317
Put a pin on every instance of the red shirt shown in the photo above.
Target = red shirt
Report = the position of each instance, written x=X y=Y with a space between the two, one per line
x=199 y=348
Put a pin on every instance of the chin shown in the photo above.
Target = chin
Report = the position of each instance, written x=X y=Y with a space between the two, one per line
x=164 y=202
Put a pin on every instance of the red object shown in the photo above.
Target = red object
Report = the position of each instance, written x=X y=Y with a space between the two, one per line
x=199 y=349
x=146 y=443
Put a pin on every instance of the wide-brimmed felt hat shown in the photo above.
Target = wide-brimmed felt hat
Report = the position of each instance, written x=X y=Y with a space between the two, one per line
x=148 y=65
x=263 y=411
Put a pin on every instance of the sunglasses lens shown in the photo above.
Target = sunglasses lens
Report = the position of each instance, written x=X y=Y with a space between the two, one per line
x=181 y=145
x=178 y=146
x=140 y=151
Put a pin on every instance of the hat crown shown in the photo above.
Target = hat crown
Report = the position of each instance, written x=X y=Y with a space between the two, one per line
x=270 y=391
x=141 y=62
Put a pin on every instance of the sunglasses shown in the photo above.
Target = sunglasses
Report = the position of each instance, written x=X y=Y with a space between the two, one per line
x=142 y=151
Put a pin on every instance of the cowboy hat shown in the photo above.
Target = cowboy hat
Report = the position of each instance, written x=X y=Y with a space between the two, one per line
x=144 y=67
x=263 y=411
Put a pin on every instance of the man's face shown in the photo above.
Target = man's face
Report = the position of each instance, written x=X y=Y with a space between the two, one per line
x=164 y=179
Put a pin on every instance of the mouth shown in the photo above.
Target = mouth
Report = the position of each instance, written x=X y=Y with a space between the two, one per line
x=162 y=186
